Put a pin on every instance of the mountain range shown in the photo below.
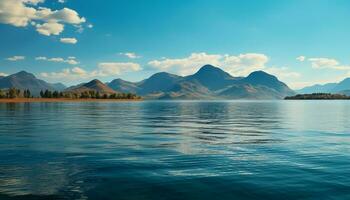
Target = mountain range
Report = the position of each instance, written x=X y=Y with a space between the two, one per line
x=343 y=87
x=207 y=83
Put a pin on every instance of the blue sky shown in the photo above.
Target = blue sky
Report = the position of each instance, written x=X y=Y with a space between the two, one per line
x=301 y=41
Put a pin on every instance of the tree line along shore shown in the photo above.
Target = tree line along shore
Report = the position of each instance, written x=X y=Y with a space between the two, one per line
x=319 y=96
x=14 y=93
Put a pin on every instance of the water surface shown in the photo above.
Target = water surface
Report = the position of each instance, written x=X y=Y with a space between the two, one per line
x=175 y=150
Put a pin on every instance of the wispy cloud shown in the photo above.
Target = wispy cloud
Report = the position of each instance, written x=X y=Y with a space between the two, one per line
x=104 y=69
x=15 y=58
x=327 y=63
x=69 y=40
x=130 y=55
x=301 y=58
x=69 y=60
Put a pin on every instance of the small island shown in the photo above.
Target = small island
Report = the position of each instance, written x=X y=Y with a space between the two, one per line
x=318 y=96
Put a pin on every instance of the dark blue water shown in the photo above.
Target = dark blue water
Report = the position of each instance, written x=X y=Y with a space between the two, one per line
x=176 y=150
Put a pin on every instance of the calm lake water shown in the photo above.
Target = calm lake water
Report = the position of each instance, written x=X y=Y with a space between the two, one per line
x=176 y=150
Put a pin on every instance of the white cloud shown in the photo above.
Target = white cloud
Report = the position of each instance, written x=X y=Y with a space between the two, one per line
x=50 y=28
x=327 y=63
x=79 y=71
x=17 y=12
x=244 y=64
x=3 y=74
x=282 y=72
x=61 y=1
x=90 y=26
x=104 y=69
x=65 y=15
x=41 y=58
x=69 y=40
x=130 y=55
x=21 y=13
x=15 y=58
x=239 y=65
x=301 y=58
x=70 y=60
x=115 y=68
x=67 y=74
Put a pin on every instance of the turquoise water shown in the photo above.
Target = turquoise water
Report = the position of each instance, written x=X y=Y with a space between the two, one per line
x=175 y=150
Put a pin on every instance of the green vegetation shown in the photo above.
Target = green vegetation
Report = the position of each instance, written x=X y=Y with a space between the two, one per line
x=87 y=95
x=14 y=93
x=50 y=94
x=318 y=96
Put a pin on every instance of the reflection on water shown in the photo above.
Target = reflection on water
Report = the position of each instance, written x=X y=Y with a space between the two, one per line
x=175 y=150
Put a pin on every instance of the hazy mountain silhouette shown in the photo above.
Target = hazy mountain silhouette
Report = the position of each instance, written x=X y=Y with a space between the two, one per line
x=340 y=87
x=343 y=85
x=59 y=86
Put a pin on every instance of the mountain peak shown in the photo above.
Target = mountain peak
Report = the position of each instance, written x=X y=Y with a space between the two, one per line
x=24 y=74
x=93 y=83
x=261 y=73
x=159 y=82
x=211 y=77
x=162 y=75
x=23 y=80
x=210 y=69
x=261 y=78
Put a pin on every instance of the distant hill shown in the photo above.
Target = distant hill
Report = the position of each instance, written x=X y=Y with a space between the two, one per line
x=248 y=91
x=58 y=86
x=318 y=88
x=343 y=85
x=94 y=85
x=209 y=82
x=24 y=80
x=265 y=82
x=123 y=86
x=158 y=82
x=327 y=88
x=345 y=92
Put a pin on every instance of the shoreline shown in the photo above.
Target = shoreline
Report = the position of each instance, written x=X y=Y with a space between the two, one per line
x=58 y=100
